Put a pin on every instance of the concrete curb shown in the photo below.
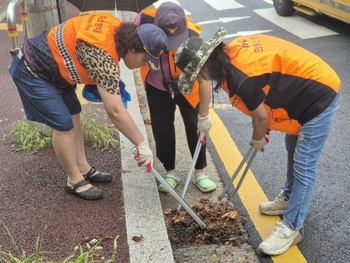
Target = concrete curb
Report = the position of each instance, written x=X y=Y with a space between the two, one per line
x=143 y=209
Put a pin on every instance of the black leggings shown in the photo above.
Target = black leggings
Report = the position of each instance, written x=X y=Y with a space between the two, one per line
x=162 y=111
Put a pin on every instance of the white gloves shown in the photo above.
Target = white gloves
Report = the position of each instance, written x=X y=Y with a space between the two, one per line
x=259 y=145
x=204 y=124
x=144 y=156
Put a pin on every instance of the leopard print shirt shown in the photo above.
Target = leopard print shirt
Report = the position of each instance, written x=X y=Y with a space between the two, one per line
x=100 y=65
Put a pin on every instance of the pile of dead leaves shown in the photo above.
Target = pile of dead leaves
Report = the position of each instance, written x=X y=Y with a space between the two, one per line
x=224 y=225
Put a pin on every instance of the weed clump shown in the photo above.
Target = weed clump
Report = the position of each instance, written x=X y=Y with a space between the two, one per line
x=27 y=136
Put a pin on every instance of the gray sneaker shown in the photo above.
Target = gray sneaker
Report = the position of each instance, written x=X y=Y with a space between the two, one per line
x=276 y=207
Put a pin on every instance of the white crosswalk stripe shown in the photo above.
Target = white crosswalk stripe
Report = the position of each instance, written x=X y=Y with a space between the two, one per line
x=223 y=4
x=295 y=24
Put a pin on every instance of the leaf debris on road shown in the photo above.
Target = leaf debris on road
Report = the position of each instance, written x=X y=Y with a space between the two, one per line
x=224 y=225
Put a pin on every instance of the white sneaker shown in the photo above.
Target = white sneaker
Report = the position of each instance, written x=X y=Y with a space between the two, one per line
x=276 y=207
x=280 y=240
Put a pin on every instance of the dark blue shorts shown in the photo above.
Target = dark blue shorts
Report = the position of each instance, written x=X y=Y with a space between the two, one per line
x=42 y=101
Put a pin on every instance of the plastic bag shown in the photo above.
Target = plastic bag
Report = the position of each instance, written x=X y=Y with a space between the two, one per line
x=90 y=93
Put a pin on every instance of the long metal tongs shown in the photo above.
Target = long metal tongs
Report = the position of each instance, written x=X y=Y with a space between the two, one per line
x=252 y=153
x=200 y=142
x=175 y=195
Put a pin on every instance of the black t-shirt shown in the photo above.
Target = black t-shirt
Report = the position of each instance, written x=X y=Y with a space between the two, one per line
x=251 y=91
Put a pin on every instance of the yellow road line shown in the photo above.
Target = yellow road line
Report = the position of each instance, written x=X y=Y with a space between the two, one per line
x=250 y=191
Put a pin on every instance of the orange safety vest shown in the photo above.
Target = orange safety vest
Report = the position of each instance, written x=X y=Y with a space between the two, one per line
x=147 y=16
x=260 y=54
x=97 y=30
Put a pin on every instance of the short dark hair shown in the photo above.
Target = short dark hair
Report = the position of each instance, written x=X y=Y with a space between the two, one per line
x=127 y=39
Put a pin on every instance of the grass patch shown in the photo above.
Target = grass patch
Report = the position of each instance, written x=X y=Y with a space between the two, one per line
x=27 y=136
x=82 y=254
x=97 y=131
x=89 y=253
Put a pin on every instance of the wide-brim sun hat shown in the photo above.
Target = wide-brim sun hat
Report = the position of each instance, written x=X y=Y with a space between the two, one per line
x=192 y=55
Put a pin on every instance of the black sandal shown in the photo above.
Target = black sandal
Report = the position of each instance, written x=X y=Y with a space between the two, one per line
x=101 y=177
x=93 y=193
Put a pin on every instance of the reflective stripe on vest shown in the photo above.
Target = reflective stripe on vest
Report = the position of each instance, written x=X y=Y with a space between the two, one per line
x=68 y=61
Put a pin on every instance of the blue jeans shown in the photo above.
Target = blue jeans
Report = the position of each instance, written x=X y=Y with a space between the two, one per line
x=304 y=151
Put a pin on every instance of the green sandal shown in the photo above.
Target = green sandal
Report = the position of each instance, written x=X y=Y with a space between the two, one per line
x=172 y=180
x=204 y=184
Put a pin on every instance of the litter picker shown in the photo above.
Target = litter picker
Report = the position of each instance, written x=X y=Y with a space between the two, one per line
x=251 y=152
x=175 y=195
x=200 y=142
